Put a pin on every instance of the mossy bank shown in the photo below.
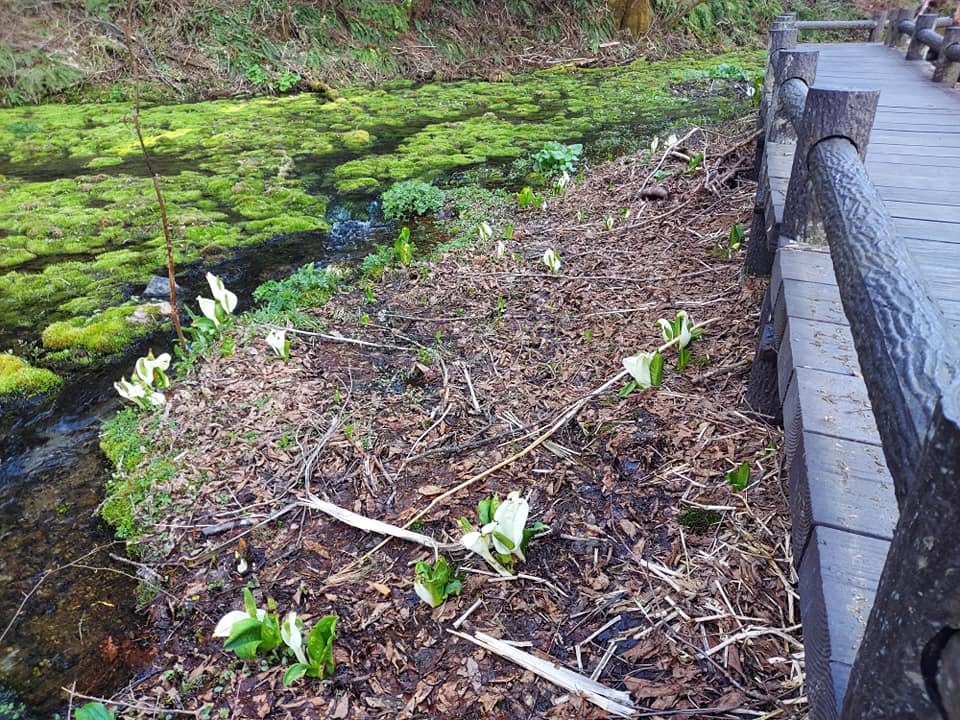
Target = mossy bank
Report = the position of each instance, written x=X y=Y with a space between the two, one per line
x=80 y=232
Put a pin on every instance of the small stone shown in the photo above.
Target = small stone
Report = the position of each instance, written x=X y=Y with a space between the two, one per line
x=158 y=287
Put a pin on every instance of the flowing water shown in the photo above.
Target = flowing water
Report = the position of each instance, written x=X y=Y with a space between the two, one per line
x=67 y=610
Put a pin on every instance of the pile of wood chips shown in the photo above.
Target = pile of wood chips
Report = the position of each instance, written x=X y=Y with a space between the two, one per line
x=656 y=579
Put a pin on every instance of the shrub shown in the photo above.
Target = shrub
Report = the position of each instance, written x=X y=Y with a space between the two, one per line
x=411 y=198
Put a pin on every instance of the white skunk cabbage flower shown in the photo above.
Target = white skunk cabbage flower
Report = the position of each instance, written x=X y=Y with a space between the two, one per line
x=227 y=300
x=510 y=519
x=225 y=626
x=678 y=328
x=130 y=390
x=552 y=260
x=292 y=636
x=478 y=541
x=209 y=308
x=277 y=340
x=485 y=231
x=640 y=367
x=151 y=369
x=501 y=249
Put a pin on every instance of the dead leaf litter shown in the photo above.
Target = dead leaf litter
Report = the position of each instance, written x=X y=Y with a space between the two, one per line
x=656 y=580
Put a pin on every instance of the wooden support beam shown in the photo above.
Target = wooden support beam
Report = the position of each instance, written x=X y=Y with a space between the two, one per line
x=947 y=69
x=894 y=33
x=917 y=49
x=879 y=20
x=827 y=114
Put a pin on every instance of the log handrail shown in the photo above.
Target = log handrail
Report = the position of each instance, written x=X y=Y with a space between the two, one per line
x=908 y=664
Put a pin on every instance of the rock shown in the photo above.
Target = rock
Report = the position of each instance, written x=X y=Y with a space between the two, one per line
x=655 y=192
x=159 y=288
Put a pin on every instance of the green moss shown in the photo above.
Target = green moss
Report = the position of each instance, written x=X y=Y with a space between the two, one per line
x=19 y=378
x=356 y=139
x=230 y=170
x=134 y=494
x=102 y=334
x=360 y=184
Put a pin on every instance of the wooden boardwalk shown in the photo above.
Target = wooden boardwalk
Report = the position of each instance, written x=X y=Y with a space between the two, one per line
x=843 y=503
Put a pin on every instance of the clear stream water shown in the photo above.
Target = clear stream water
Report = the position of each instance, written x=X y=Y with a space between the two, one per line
x=67 y=609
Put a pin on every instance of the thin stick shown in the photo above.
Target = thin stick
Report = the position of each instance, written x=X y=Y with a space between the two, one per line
x=469 y=611
x=132 y=706
x=376 y=526
x=164 y=221
x=616 y=702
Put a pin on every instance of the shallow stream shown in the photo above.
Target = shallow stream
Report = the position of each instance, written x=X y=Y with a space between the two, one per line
x=252 y=188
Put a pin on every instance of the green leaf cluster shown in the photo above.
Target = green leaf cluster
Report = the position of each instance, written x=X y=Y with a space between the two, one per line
x=254 y=634
x=319 y=653
x=309 y=286
x=527 y=198
x=411 y=198
x=556 y=158
x=739 y=478
x=437 y=580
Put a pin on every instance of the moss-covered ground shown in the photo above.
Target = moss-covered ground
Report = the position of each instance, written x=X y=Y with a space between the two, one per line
x=80 y=230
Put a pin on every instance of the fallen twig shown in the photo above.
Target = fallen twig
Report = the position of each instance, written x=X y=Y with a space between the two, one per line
x=617 y=702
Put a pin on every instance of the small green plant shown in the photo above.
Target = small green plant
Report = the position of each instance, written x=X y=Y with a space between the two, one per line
x=679 y=329
x=411 y=198
x=556 y=158
x=309 y=286
x=403 y=248
x=316 y=660
x=646 y=369
x=149 y=377
x=551 y=258
x=527 y=198
x=255 y=73
x=694 y=162
x=215 y=311
x=735 y=239
x=739 y=477
x=254 y=631
x=435 y=583
x=508 y=232
x=93 y=711
x=279 y=343
x=287 y=80
x=503 y=530
x=608 y=222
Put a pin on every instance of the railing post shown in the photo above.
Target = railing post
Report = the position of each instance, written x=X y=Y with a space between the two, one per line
x=876 y=35
x=759 y=261
x=827 y=113
x=907 y=665
x=893 y=32
x=790 y=65
x=947 y=70
x=917 y=50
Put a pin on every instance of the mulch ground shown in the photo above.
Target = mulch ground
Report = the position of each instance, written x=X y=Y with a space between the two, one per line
x=655 y=577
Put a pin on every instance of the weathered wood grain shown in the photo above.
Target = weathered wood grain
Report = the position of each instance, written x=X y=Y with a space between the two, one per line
x=900 y=335
x=838 y=578
x=919 y=593
x=840 y=484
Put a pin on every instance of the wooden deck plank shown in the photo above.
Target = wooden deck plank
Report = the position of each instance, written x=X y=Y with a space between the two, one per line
x=839 y=484
x=838 y=581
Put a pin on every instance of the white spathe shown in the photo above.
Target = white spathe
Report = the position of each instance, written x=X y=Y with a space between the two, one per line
x=227 y=300
x=639 y=368
x=292 y=636
x=277 y=340
x=225 y=626
x=209 y=308
x=510 y=519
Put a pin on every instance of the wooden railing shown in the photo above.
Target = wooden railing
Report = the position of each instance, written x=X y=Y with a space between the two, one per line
x=908 y=664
